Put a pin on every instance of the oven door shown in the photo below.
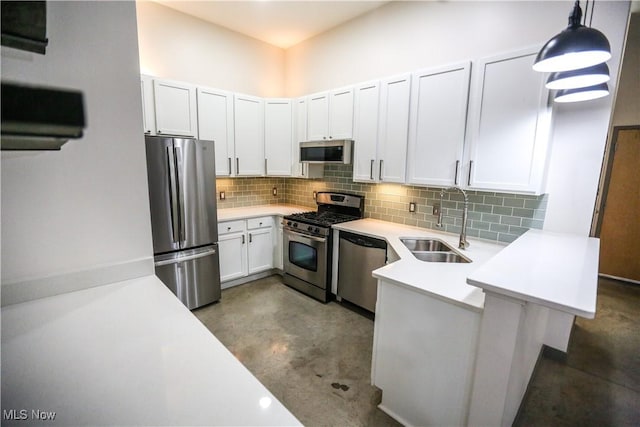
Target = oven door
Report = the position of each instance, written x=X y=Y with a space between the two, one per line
x=305 y=257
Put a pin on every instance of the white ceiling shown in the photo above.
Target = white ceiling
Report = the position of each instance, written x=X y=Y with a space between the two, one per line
x=282 y=23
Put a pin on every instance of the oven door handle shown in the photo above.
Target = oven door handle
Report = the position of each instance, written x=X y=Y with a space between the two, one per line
x=306 y=236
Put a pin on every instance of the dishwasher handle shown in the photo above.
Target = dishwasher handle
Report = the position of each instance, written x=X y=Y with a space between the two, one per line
x=366 y=241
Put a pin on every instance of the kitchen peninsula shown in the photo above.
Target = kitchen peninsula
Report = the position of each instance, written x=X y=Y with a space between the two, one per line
x=456 y=344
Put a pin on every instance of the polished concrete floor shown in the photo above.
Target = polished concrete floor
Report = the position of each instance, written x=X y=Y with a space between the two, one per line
x=598 y=384
x=316 y=358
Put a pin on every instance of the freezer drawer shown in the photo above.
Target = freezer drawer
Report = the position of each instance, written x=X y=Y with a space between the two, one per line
x=192 y=275
x=358 y=257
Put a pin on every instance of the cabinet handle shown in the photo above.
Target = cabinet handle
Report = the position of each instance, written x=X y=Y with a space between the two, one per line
x=237 y=166
x=159 y=131
x=380 y=171
x=228 y=228
x=302 y=169
x=330 y=137
x=265 y=166
x=371 y=169
x=455 y=177
x=250 y=239
x=229 y=166
x=470 y=167
x=243 y=239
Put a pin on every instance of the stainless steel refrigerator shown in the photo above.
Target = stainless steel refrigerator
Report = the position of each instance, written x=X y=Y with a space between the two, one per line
x=182 y=198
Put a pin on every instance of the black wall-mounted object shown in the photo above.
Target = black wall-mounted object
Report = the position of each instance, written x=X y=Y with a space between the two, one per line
x=38 y=118
x=24 y=25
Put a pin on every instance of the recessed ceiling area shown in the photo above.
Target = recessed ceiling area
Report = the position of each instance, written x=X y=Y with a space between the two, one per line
x=280 y=23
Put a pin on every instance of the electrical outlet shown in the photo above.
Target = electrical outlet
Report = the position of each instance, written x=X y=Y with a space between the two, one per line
x=436 y=209
x=222 y=196
x=274 y=191
x=412 y=206
x=314 y=195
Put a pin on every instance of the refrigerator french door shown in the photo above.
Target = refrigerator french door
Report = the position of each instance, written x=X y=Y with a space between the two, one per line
x=182 y=198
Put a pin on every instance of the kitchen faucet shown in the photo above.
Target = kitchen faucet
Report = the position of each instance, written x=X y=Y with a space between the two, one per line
x=464 y=244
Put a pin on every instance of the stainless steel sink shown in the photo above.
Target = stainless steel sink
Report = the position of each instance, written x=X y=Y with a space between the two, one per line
x=426 y=245
x=440 y=257
x=433 y=250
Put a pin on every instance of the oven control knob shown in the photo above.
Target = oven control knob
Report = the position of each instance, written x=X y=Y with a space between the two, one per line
x=317 y=230
x=309 y=228
x=295 y=225
x=289 y=223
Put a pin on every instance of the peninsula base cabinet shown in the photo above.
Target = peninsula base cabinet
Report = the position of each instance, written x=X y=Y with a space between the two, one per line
x=424 y=352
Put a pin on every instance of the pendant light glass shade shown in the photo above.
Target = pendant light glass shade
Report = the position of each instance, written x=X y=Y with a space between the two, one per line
x=575 y=47
x=582 y=94
x=584 y=77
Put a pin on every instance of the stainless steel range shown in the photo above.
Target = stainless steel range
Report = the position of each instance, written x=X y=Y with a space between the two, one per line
x=308 y=242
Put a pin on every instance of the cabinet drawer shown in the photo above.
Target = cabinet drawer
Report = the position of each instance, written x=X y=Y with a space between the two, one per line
x=230 y=227
x=265 y=221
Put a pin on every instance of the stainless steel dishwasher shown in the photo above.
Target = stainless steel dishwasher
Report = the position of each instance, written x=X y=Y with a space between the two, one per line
x=358 y=257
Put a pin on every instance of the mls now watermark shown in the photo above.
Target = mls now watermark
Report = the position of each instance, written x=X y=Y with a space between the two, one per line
x=28 y=414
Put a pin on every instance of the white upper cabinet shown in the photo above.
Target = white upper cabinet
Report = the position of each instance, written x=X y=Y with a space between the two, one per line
x=509 y=122
x=365 y=131
x=439 y=98
x=215 y=123
x=381 y=125
x=393 y=128
x=341 y=114
x=278 y=136
x=148 y=107
x=299 y=169
x=175 y=104
x=330 y=115
x=249 y=135
x=318 y=116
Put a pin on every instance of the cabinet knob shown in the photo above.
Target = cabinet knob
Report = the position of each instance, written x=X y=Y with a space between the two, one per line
x=228 y=228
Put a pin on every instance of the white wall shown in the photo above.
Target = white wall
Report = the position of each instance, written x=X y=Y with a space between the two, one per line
x=177 y=46
x=86 y=206
x=405 y=36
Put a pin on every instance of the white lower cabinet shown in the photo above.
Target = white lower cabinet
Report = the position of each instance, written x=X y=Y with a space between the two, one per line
x=246 y=247
x=233 y=250
x=424 y=350
x=260 y=235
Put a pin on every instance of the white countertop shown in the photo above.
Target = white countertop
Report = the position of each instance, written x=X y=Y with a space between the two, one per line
x=556 y=270
x=230 y=214
x=128 y=353
x=442 y=280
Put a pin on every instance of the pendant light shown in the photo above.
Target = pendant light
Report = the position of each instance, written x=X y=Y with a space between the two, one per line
x=583 y=77
x=575 y=47
x=582 y=94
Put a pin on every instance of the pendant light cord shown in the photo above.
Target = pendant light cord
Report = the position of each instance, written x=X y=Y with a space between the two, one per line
x=586 y=11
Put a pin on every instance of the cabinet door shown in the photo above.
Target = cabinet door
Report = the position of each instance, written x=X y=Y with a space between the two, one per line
x=175 y=104
x=260 y=250
x=148 y=107
x=508 y=125
x=233 y=256
x=365 y=132
x=394 y=128
x=318 y=116
x=437 y=125
x=341 y=114
x=278 y=130
x=215 y=123
x=249 y=135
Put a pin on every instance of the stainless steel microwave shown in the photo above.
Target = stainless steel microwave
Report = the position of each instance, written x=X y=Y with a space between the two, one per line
x=337 y=151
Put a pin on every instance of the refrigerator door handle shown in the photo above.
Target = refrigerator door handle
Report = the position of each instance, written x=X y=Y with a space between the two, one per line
x=173 y=194
x=181 y=190
x=186 y=258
